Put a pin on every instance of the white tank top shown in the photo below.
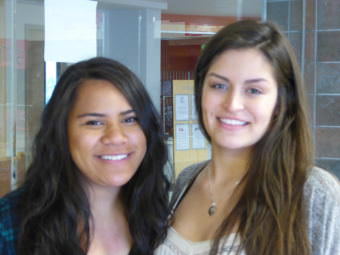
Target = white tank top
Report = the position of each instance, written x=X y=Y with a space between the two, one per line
x=175 y=244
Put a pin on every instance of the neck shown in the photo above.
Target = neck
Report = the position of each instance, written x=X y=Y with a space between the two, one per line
x=228 y=167
x=109 y=229
x=105 y=202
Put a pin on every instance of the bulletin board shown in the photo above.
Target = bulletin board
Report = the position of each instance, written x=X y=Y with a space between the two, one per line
x=190 y=145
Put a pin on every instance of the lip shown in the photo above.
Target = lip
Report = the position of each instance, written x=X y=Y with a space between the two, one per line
x=232 y=123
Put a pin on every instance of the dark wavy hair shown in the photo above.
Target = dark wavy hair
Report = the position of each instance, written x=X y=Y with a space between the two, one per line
x=270 y=211
x=54 y=207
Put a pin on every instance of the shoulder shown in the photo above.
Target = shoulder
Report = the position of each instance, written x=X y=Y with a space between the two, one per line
x=322 y=200
x=8 y=204
x=183 y=181
x=10 y=200
x=188 y=174
x=9 y=220
x=322 y=185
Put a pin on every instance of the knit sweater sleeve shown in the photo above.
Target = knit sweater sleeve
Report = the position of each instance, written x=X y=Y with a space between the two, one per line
x=322 y=197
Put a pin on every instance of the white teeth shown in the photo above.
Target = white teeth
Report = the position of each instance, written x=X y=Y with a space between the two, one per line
x=233 y=122
x=114 y=157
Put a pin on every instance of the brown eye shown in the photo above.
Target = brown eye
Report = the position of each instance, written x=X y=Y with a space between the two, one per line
x=131 y=120
x=94 y=123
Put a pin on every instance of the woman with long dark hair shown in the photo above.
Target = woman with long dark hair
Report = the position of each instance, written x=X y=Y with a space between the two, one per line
x=259 y=194
x=96 y=183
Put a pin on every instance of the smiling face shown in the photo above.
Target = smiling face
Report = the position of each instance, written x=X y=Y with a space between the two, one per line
x=106 y=141
x=238 y=99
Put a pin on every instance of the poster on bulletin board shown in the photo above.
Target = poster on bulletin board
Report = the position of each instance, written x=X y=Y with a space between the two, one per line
x=190 y=145
x=182 y=107
x=182 y=137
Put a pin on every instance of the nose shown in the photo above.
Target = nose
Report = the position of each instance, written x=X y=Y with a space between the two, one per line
x=233 y=101
x=114 y=134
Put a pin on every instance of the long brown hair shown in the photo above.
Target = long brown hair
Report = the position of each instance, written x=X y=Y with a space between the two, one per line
x=54 y=209
x=270 y=214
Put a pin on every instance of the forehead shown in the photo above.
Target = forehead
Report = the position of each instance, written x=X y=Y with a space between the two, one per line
x=249 y=62
x=99 y=94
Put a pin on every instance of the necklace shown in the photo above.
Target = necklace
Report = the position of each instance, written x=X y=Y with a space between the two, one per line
x=213 y=205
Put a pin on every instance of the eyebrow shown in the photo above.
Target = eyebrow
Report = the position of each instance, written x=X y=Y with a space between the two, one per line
x=219 y=76
x=247 y=81
x=101 y=115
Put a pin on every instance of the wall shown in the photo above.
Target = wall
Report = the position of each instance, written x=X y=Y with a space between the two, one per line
x=313 y=27
x=327 y=83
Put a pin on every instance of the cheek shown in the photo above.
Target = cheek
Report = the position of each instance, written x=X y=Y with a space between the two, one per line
x=72 y=143
x=79 y=144
x=207 y=103
x=73 y=139
x=139 y=140
x=273 y=107
x=144 y=145
x=209 y=107
x=266 y=112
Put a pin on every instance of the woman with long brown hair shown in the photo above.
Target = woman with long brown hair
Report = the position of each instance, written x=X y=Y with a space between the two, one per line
x=259 y=194
x=96 y=183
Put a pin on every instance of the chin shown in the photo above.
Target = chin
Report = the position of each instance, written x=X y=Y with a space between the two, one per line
x=234 y=146
x=119 y=182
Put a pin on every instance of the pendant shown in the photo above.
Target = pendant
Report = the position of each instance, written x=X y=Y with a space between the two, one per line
x=212 y=209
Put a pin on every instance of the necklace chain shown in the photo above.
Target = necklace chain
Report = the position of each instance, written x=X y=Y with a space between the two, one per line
x=213 y=205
